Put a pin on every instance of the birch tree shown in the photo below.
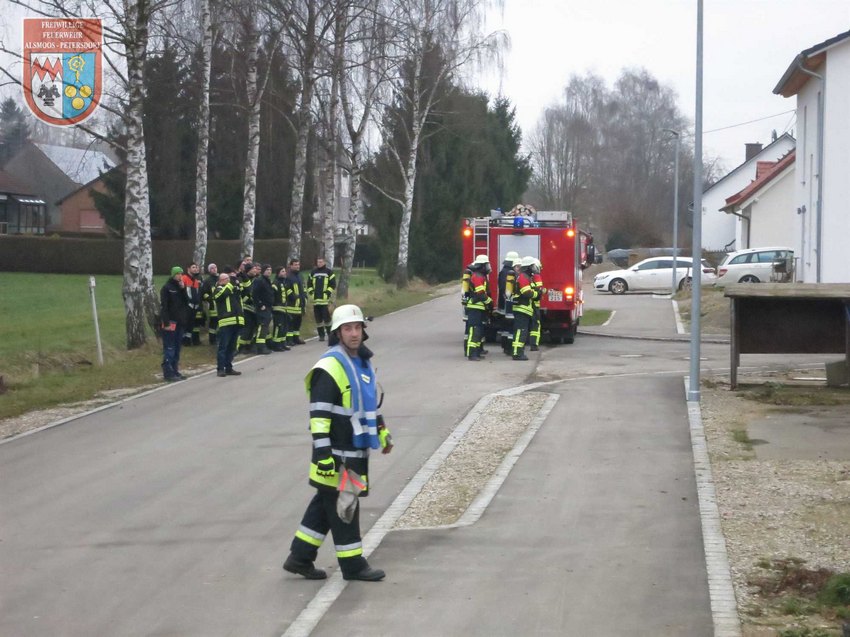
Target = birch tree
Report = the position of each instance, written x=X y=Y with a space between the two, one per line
x=201 y=233
x=433 y=40
x=139 y=297
x=126 y=31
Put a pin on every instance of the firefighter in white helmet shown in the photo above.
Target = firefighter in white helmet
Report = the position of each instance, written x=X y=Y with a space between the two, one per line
x=478 y=306
x=523 y=307
x=345 y=423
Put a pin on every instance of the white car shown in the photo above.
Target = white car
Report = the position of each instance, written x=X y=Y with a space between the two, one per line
x=652 y=275
x=755 y=265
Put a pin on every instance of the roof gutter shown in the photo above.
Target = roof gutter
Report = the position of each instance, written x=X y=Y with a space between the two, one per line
x=819 y=209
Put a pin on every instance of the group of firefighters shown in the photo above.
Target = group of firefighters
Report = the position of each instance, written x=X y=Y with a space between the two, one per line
x=251 y=309
x=520 y=289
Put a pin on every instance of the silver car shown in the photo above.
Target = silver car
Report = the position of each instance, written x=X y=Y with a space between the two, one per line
x=755 y=265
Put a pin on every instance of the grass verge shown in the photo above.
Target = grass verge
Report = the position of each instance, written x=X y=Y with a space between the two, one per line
x=591 y=318
x=48 y=351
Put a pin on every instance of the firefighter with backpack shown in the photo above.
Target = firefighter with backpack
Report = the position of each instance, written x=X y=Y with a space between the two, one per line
x=478 y=307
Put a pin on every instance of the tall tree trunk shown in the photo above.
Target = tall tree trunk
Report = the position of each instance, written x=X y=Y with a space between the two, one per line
x=401 y=274
x=252 y=90
x=200 y=252
x=299 y=179
x=355 y=212
x=140 y=302
x=329 y=222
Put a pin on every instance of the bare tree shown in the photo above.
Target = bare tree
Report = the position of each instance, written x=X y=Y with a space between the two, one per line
x=306 y=24
x=432 y=41
x=365 y=71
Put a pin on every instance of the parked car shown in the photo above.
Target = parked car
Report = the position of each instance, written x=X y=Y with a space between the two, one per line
x=755 y=265
x=653 y=275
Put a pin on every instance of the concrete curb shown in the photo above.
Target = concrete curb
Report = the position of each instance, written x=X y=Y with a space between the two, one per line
x=724 y=606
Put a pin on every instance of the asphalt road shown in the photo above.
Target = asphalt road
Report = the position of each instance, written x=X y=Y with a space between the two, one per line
x=171 y=514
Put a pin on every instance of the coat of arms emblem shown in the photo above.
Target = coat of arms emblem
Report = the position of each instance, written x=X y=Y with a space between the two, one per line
x=63 y=68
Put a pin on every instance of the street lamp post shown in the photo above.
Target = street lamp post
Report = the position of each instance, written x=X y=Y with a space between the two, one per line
x=696 y=287
x=675 y=207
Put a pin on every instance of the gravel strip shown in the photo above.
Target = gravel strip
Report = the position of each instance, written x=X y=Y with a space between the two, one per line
x=449 y=492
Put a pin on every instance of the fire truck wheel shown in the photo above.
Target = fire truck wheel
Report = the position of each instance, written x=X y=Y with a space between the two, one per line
x=618 y=286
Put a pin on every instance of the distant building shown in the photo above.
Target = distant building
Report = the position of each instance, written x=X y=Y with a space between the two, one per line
x=764 y=211
x=57 y=171
x=79 y=215
x=719 y=228
x=820 y=79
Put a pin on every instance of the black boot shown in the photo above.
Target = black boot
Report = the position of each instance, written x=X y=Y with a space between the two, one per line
x=321 y=330
x=368 y=574
x=303 y=567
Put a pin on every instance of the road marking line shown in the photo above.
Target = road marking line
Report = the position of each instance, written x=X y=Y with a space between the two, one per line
x=605 y=324
x=724 y=607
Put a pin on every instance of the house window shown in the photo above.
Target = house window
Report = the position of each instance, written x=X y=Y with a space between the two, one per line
x=31 y=217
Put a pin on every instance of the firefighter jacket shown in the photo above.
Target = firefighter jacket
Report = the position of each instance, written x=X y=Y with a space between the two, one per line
x=193 y=292
x=228 y=302
x=480 y=297
x=507 y=282
x=279 y=291
x=245 y=283
x=537 y=284
x=207 y=289
x=321 y=283
x=296 y=297
x=526 y=294
x=174 y=305
x=262 y=293
x=345 y=422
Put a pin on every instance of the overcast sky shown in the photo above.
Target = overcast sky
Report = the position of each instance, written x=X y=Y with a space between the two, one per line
x=748 y=46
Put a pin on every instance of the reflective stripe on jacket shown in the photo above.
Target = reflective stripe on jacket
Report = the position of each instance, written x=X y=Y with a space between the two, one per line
x=524 y=301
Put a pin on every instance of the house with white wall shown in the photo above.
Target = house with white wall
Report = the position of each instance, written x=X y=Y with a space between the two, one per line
x=718 y=227
x=819 y=77
x=764 y=211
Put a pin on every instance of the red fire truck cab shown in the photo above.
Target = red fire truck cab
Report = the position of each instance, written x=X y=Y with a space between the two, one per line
x=564 y=251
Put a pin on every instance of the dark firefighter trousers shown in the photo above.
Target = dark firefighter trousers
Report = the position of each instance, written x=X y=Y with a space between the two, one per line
x=322 y=314
x=474 y=331
x=522 y=322
x=319 y=518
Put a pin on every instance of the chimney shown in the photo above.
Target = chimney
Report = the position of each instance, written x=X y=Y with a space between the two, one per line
x=752 y=150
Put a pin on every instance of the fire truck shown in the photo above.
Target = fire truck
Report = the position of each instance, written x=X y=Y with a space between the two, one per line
x=563 y=249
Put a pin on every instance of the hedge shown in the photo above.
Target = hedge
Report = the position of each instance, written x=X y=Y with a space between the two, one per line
x=105 y=256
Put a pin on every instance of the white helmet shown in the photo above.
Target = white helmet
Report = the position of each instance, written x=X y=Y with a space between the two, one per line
x=481 y=258
x=537 y=265
x=346 y=314
x=512 y=256
x=527 y=262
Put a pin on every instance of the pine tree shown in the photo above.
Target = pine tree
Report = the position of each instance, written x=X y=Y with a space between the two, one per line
x=14 y=130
